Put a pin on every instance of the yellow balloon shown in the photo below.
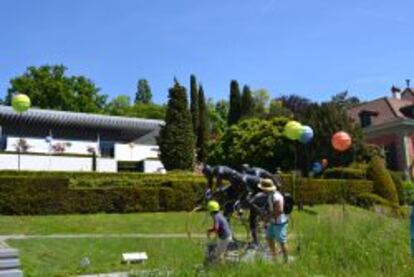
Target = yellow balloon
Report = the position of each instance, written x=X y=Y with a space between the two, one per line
x=293 y=130
x=21 y=103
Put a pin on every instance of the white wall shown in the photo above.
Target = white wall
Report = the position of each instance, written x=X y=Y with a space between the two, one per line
x=135 y=152
x=153 y=166
x=55 y=163
x=41 y=146
x=106 y=165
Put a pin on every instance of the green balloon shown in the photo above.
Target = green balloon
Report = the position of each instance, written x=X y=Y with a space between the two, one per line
x=21 y=103
x=293 y=130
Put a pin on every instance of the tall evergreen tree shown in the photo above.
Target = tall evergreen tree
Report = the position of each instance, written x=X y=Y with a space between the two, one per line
x=235 y=102
x=247 y=103
x=203 y=126
x=143 y=94
x=176 y=139
x=194 y=103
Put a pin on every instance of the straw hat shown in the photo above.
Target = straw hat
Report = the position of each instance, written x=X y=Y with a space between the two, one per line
x=267 y=185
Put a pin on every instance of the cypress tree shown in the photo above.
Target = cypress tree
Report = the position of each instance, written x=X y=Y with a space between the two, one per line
x=247 y=103
x=202 y=133
x=235 y=102
x=143 y=94
x=194 y=103
x=176 y=139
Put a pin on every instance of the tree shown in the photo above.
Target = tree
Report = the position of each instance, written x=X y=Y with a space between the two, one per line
x=49 y=88
x=261 y=102
x=276 y=109
x=150 y=111
x=222 y=107
x=176 y=139
x=327 y=119
x=247 y=103
x=235 y=102
x=143 y=94
x=194 y=103
x=297 y=104
x=344 y=101
x=202 y=133
x=255 y=141
x=120 y=105
x=217 y=117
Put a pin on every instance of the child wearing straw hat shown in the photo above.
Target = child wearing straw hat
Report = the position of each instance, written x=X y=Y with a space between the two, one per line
x=277 y=220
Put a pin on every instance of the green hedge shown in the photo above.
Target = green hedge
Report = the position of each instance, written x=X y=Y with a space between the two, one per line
x=325 y=191
x=383 y=183
x=344 y=173
x=55 y=195
x=52 y=195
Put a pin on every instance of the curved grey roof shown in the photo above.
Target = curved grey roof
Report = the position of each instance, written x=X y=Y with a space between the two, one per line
x=134 y=127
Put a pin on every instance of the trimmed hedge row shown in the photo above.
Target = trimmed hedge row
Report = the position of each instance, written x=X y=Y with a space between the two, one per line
x=53 y=195
x=344 y=173
x=325 y=191
x=43 y=195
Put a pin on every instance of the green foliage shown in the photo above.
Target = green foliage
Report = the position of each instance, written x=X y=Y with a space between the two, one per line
x=143 y=94
x=235 y=103
x=261 y=102
x=399 y=186
x=203 y=127
x=176 y=139
x=408 y=188
x=217 y=117
x=49 y=88
x=194 y=103
x=254 y=141
x=344 y=173
x=297 y=104
x=53 y=195
x=151 y=111
x=345 y=101
x=276 y=109
x=247 y=103
x=120 y=106
x=383 y=183
x=327 y=119
x=324 y=191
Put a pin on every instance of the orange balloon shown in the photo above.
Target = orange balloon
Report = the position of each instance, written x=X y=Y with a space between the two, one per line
x=341 y=141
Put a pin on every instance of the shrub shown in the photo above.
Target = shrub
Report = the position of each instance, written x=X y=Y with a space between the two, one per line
x=51 y=195
x=344 y=173
x=55 y=195
x=399 y=186
x=383 y=184
x=320 y=191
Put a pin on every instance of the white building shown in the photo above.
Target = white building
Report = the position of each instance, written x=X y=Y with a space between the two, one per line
x=66 y=141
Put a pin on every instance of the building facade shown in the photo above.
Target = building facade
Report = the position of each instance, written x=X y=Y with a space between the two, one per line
x=389 y=123
x=56 y=140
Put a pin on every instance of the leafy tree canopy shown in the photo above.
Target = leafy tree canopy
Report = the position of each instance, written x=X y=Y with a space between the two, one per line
x=255 y=141
x=49 y=88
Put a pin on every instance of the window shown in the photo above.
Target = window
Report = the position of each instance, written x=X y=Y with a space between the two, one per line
x=391 y=156
x=365 y=120
x=3 y=142
x=107 y=149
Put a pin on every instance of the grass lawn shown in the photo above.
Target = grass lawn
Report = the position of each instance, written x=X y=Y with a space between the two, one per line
x=173 y=222
x=325 y=242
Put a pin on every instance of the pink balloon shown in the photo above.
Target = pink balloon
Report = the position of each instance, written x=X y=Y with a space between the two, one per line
x=341 y=141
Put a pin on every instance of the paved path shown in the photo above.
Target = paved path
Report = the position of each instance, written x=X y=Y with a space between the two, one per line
x=4 y=238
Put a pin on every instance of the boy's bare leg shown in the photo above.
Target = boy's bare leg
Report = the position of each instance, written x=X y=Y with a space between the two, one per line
x=272 y=247
x=284 y=248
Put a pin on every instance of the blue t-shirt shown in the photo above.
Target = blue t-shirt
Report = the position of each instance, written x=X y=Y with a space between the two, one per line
x=222 y=226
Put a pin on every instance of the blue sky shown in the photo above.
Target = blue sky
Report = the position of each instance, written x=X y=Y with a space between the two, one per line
x=309 y=47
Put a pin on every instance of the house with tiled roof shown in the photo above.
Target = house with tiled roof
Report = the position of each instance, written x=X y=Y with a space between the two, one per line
x=389 y=123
